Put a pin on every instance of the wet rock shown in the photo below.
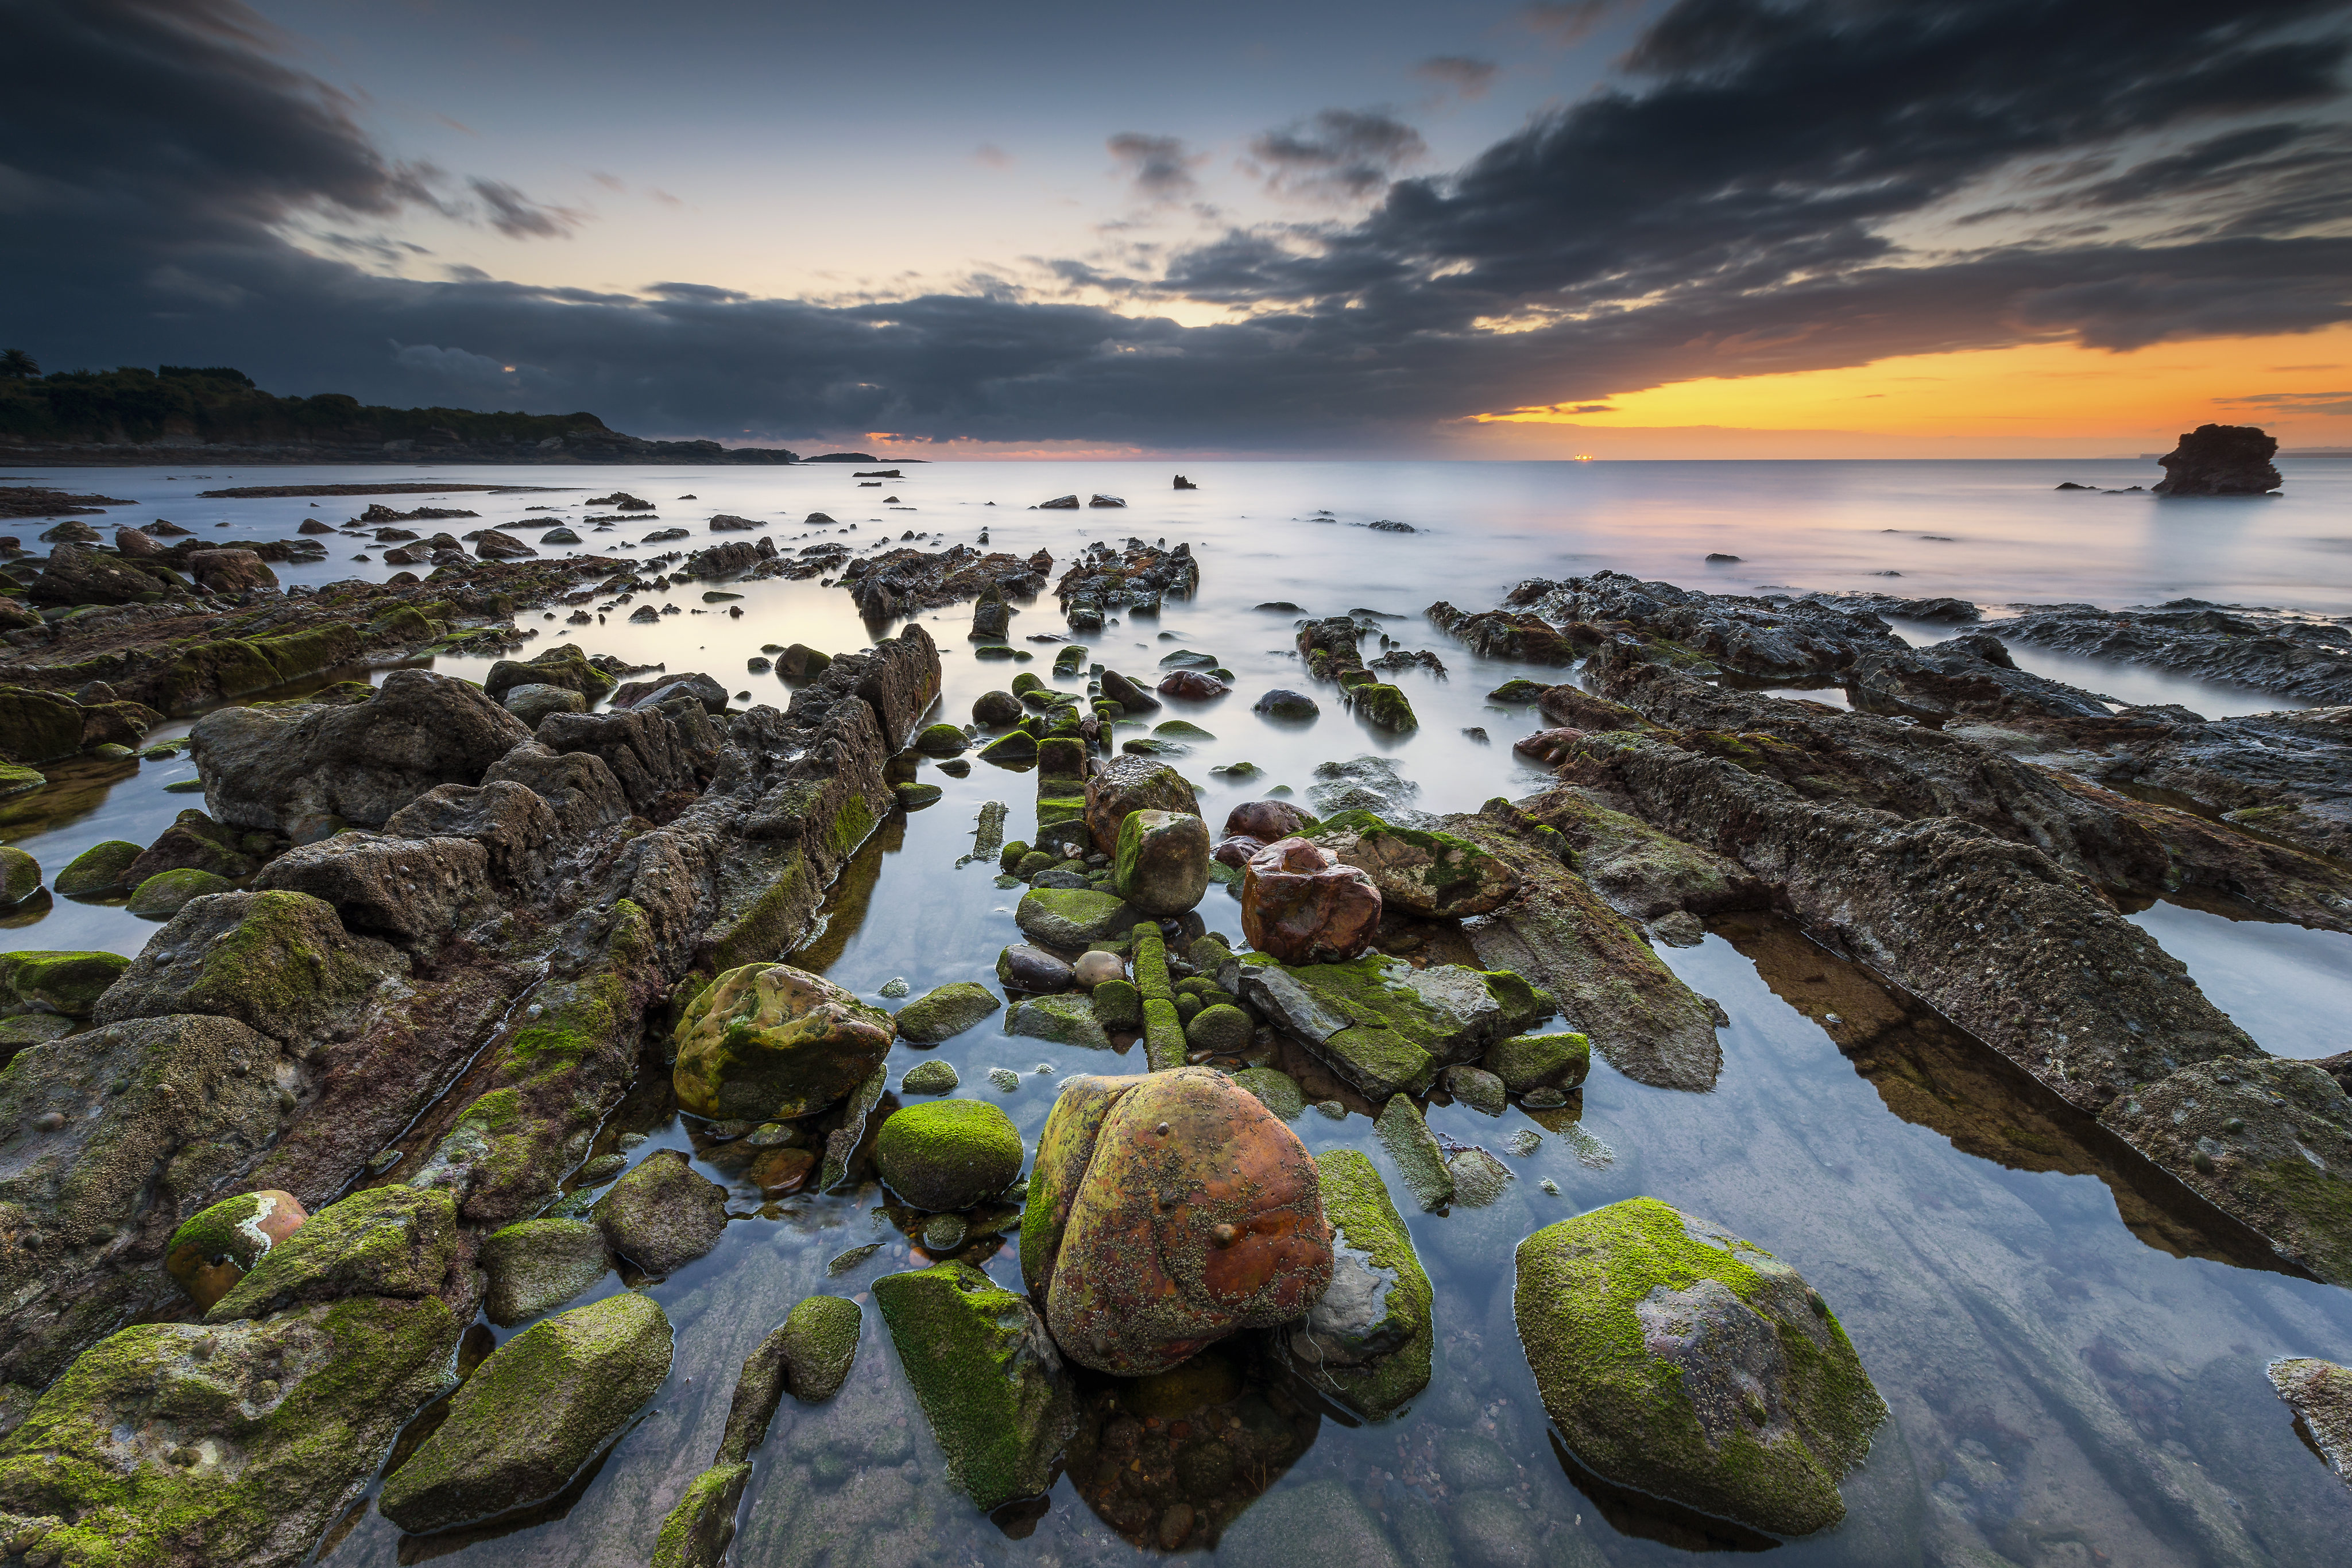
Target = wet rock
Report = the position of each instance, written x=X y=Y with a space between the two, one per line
x=1477 y=1088
x=534 y=702
x=1268 y=821
x=1383 y=707
x=1367 y=1342
x=941 y=740
x=1118 y=1004
x=228 y=571
x=397 y=1242
x=1135 y=1282
x=1518 y=639
x=1681 y=1361
x=219 y=1246
x=1300 y=906
x=949 y=1153
x=1126 y=784
x=20 y=876
x=2220 y=460
x=544 y=1404
x=414 y=891
x=1192 y=685
x=988 y=1377
x=945 y=1012
x=193 y=842
x=2320 y=1394
x=1363 y=784
x=96 y=871
x=1639 y=872
x=802 y=662
x=1314 y=1522
x=73 y=575
x=697 y=1531
x=993 y=709
x=566 y=665
x=933 y=1077
x=1427 y=874
x=1286 y=705
x=1131 y=698
x=166 y=893
x=1384 y=1025
x=281 y=963
x=306 y=770
x=38 y=726
x=1094 y=967
x=1414 y=1149
x=515 y=829
x=1026 y=969
x=660 y=689
x=1220 y=1028
x=251 y=1438
x=539 y=1265
x=663 y=1214
x=1071 y=1018
x=1161 y=862
x=770 y=1041
x=2269 y=1141
x=1530 y=1061
x=1478 y=1177
x=1276 y=1089
x=1073 y=917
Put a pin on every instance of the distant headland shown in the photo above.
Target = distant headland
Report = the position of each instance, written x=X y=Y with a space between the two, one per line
x=178 y=415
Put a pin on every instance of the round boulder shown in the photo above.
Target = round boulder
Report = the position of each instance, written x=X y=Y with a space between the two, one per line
x=1193 y=685
x=941 y=740
x=1300 y=906
x=1163 y=863
x=1267 y=820
x=535 y=700
x=1286 y=705
x=768 y=1042
x=996 y=709
x=949 y=1153
x=20 y=877
x=161 y=896
x=1128 y=784
x=1093 y=968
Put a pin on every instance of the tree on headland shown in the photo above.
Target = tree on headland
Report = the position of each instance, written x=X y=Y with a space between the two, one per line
x=19 y=366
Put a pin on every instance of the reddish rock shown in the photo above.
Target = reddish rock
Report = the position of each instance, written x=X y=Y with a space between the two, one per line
x=1300 y=906
x=1198 y=685
x=1267 y=821
x=1547 y=747
x=1191 y=1212
x=1236 y=849
x=132 y=542
x=229 y=571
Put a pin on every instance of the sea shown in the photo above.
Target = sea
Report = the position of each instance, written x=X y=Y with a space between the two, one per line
x=2071 y=1349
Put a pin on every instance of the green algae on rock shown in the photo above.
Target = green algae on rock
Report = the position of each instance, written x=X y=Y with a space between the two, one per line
x=1383 y=707
x=1421 y=872
x=664 y=1214
x=698 y=1531
x=949 y=1153
x=1684 y=1361
x=244 y=1441
x=380 y=1242
x=538 y=1265
x=165 y=893
x=767 y=1040
x=15 y=778
x=217 y=1246
x=1161 y=863
x=1413 y=1147
x=936 y=1076
x=987 y=1375
x=1367 y=1342
x=1276 y=1089
x=1068 y=1019
x=1071 y=917
x=941 y=740
x=1527 y=1061
x=281 y=963
x=20 y=876
x=820 y=1346
x=544 y=1404
x=1222 y=1028
x=1382 y=1024
x=66 y=983
x=96 y=871
x=945 y=1012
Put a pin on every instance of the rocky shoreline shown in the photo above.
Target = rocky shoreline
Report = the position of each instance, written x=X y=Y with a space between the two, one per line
x=360 y=1089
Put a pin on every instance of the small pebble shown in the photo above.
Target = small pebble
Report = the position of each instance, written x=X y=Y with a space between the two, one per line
x=1524 y=1142
x=896 y=986
x=1333 y=1109
x=1005 y=1080
x=1550 y=1186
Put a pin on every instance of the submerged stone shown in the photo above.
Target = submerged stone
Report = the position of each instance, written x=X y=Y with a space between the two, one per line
x=1073 y=917
x=1383 y=1024
x=664 y=1214
x=1692 y=1365
x=1413 y=1147
x=1367 y=1342
x=1161 y=862
x=539 y=1265
x=1069 y=1019
x=946 y=1012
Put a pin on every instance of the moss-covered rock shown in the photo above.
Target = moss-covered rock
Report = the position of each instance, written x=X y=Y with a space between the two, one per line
x=936 y=1076
x=1015 y=748
x=941 y=740
x=1383 y=707
x=1117 y=1005
x=1367 y=1342
x=1161 y=862
x=281 y=963
x=664 y=1214
x=996 y=709
x=987 y=1375
x=20 y=876
x=565 y=665
x=15 y=778
x=1219 y=1027
x=1427 y=874
x=165 y=894
x=1478 y=1089
x=181 y=1445
x=382 y=1241
x=38 y=726
x=1518 y=689
x=820 y=1346
x=1681 y=1361
x=97 y=871
x=949 y=1153
x=945 y=1012
x=1413 y=1147
x=217 y=1246
x=1070 y=1018
x=700 y=1529
x=1126 y=784
x=1527 y=1061
x=66 y=983
x=538 y=1265
x=768 y=1040
x=1072 y=917
x=1276 y=1089
x=1383 y=1024
x=544 y=1404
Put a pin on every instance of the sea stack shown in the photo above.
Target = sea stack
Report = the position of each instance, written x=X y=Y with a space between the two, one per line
x=2221 y=460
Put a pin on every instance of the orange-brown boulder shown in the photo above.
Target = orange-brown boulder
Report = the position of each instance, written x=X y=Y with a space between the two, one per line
x=1302 y=906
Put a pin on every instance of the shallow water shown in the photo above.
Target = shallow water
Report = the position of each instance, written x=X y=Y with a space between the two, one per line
x=2071 y=1346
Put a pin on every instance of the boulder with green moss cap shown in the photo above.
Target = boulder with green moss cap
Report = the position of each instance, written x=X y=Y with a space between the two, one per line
x=1383 y=707
x=1529 y=1061
x=380 y=1242
x=217 y=1246
x=809 y=1354
x=988 y=1377
x=1421 y=872
x=20 y=876
x=1070 y=1018
x=1367 y=1342
x=698 y=1531
x=1414 y=1148
x=167 y=892
x=932 y=1077
x=941 y=740
x=768 y=1040
x=97 y=870
x=566 y=664
x=244 y=1441
x=1382 y=1024
x=281 y=962
x=949 y=1153
x=1126 y=784
x=538 y=1265
x=1072 y=917
x=1681 y=1361
x=1276 y=1088
x=544 y=1404
x=946 y=1012
x=66 y=983
x=664 y=1214
x=1161 y=862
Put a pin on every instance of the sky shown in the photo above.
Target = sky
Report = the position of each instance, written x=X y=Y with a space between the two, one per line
x=1679 y=228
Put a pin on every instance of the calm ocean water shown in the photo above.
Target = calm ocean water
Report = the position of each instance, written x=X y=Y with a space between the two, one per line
x=2074 y=1358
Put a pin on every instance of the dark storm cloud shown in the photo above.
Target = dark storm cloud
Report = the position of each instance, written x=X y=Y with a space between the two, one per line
x=1340 y=153
x=1730 y=207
